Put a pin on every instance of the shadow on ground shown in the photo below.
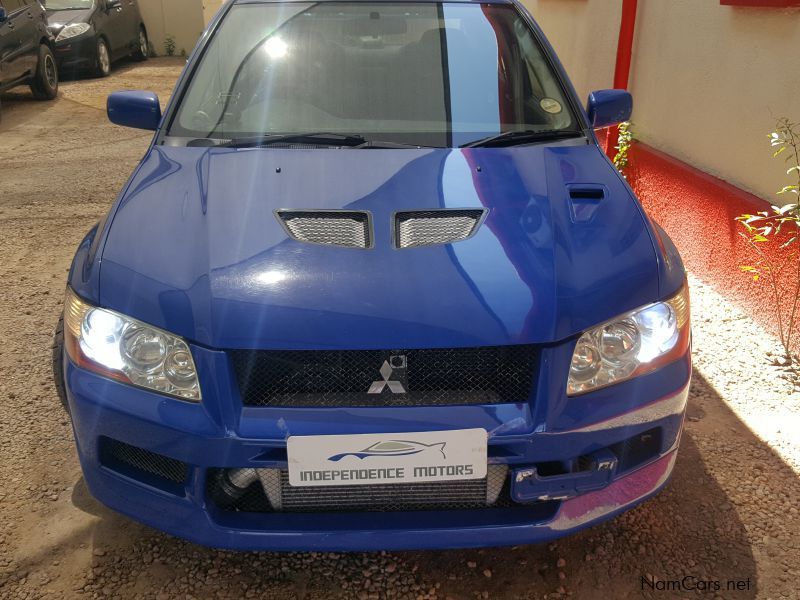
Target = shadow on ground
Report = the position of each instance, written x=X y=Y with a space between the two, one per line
x=120 y=67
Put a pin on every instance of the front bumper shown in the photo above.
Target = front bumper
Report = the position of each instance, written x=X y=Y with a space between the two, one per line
x=76 y=53
x=224 y=434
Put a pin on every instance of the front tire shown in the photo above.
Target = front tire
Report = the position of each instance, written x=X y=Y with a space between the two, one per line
x=45 y=82
x=142 y=45
x=103 y=65
x=58 y=363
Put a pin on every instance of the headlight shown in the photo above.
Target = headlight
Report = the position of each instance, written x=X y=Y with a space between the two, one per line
x=631 y=345
x=71 y=31
x=128 y=350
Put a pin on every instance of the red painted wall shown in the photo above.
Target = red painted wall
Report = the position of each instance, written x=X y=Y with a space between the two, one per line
x=761 y=3
x=698 y=212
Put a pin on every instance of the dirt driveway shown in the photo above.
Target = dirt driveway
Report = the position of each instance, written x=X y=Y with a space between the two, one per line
x=730 y=513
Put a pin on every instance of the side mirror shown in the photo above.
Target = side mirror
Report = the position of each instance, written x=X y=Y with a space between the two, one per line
x=139 y=110
x=112 y=4
x=609 y=107
x=3 y=15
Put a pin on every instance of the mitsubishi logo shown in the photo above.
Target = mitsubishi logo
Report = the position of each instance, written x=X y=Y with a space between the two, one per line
x=387 y=370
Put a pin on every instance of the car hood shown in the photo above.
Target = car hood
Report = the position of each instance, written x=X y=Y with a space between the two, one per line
x=58 y=19
x=195 y=247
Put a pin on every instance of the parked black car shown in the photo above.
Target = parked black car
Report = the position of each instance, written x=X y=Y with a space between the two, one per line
x=92 y=34
x=26 y=49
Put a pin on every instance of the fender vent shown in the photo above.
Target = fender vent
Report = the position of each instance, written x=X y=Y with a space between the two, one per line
x=350 y=229
x=432 y=227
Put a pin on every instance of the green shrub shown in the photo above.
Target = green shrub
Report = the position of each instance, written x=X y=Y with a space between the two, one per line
x=780 y=226
x=169 y=45
x=623 y=147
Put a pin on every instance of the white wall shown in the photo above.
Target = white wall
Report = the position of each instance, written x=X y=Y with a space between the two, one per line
x=708 y=80
x=210 y=8
x=181 y=19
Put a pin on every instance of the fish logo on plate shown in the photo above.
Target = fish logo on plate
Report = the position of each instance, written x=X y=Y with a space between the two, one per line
x=391 y=448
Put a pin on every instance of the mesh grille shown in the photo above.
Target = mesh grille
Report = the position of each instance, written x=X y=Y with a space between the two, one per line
x=274 y=494
x=428 y=228
x=335 y=228
x=430 y=377
x=114 y=453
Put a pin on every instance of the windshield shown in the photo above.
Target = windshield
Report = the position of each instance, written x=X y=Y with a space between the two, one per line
x=67 y=4
x=433 y=74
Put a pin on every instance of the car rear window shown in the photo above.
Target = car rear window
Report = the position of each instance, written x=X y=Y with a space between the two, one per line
x=437 y=74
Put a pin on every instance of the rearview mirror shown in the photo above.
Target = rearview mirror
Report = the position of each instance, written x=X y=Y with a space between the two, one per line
x=3 y=15
x=140 y=110
x=609 y=107
x=376 y=27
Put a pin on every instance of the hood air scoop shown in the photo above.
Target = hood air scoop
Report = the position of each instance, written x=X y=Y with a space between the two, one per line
x=350 y=229
x=433 y=227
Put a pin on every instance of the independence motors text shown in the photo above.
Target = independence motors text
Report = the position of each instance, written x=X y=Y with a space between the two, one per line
x=386 y=473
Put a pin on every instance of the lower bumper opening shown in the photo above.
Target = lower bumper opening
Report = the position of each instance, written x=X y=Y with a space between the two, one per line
x=143 y=465
x=638 y=450
x=268 y=490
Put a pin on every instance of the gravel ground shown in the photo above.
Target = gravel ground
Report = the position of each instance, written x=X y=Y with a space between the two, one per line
x=730 y=512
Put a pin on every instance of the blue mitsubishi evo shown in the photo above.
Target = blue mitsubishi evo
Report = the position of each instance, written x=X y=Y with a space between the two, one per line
x=374 y=285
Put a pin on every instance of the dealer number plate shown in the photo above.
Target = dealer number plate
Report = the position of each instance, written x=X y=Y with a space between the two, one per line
x=381 y=458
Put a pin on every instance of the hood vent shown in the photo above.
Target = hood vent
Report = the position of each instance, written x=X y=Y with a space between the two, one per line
x=433 y=227
x=350 y=229
x=584 y=201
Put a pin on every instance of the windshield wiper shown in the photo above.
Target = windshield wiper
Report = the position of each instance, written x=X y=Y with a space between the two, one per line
x=320 y=138
x=510 y=138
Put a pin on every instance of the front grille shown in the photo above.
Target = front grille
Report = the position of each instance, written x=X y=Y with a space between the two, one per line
x=272 y=493
x=333 y=227
x=432 y=227
x=120 y=456
x=429 y=377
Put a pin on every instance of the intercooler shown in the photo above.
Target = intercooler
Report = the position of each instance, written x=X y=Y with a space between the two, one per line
x=268 y=490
